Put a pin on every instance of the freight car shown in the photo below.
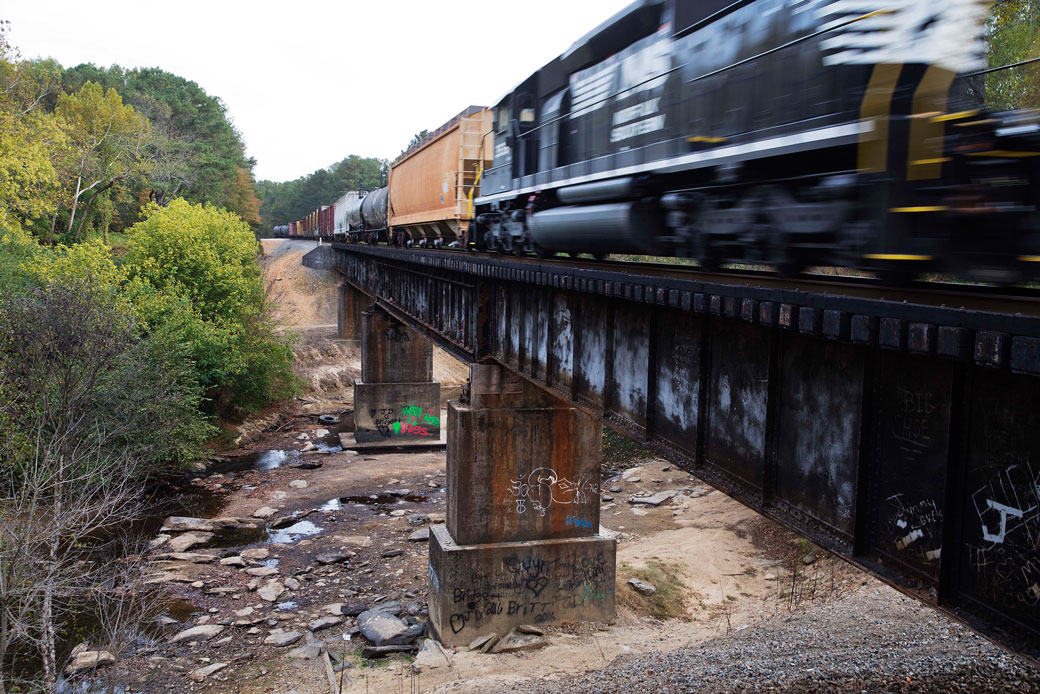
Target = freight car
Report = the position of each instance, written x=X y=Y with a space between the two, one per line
x=786 y=132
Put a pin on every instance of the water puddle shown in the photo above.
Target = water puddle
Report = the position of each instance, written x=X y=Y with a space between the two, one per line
x=375 y=500
x=261 y=460
x=287 y=536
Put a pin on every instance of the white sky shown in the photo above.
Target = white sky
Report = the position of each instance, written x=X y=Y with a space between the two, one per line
x=309 y=82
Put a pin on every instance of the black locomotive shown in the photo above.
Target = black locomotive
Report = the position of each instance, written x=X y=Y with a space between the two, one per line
x=784 y=132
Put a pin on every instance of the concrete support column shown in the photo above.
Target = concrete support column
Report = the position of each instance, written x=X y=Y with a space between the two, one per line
x=351 y=303
x=395 y=400
x=520 y=544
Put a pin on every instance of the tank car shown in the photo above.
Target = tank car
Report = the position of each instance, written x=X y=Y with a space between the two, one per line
x=783 y=132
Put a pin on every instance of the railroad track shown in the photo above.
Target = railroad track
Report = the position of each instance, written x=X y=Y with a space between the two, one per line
x=1010 y=300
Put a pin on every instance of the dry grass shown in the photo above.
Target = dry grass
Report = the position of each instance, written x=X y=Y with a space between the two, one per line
x=669 y=602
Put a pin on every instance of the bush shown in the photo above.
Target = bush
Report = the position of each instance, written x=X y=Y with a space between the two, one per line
x=193 y=272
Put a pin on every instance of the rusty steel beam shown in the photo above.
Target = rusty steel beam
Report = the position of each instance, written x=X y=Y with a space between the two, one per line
x=903 y=436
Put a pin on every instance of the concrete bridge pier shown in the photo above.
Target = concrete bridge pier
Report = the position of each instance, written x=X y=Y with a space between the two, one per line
x=351 y=303
x=520 y=544
x=395 y=400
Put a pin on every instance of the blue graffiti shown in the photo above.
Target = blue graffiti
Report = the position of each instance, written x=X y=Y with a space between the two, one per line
x=578 y=522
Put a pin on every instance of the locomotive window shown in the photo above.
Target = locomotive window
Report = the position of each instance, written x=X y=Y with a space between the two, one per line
x=503 y=118
x=527 y=115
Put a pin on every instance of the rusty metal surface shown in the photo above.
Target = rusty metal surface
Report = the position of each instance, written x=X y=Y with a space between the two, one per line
x=905 y=437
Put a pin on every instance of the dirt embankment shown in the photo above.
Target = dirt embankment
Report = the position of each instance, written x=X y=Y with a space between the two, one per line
x=306 y=304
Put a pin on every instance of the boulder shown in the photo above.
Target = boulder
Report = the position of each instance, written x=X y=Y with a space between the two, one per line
x=192 y=557
x=262 y=571
x=324 y=623
x=255 y=554
x=481 y=641
x=184 y=542
x=432 y=655
x=233 y=561
x=202 y=673
x=271 y=591
x=333 y=557
x=516 y=641
x=298 y=484
x=203 y=632
x=383 y=628
x=264 y=512
x=283 y=638
x=642 y=587
x=654 y=500
x=421 y=535
x=88 y=660
x=183 y=524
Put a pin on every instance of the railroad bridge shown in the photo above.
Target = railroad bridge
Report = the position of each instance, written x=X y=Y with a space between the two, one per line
x=899 y=428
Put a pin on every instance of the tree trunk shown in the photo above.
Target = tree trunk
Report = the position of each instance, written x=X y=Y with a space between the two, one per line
x=75 y=200
x=47 y=647
x=50 y=240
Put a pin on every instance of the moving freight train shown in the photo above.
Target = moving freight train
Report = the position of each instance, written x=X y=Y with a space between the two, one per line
x=783 y=132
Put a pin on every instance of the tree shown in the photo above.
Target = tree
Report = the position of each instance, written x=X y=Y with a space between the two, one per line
x=1013 y=36
x=418 y=137
x=32 y=144
x=108 y=140
x=83 y=390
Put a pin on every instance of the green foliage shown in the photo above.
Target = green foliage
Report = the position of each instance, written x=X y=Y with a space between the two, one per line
x=1013 y=36
x=282 y=203
x=194 y=271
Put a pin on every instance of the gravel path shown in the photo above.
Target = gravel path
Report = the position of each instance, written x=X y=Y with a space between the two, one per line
x=875 y=640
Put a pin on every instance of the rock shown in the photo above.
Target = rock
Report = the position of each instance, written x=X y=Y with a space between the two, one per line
x=606 y=532
x=433 y=485
x=185 y=542
x=770 y=577
x=436 y=517
x=245 y=611
x=283 y=639
x=264 y=512
x=615 y=489
x=291 y=583
x=88 y=660
x=302 y=436
x=530 y=629
x=809 y=558
x=307 y=447
x=515 y=641
x=159 y=540
x=656 y=499
x=183 y=524
x=627 y=474
x=634 y=479
x=642 y=587
x=380 y=651
x=308 y=651
x=398 y=512
x=383 y=628
x=432 y=655
x=399 y=492
x=271 y=591
x=298 y=484
x=418 y=519
x=324 y=623
x=421 y=535
x=352 y=609
x=309 y=466
x=200 y=633
x=257 y=554
x=639 y=511
x=358 y=540
x=203 y=672
x=334 y=557
x=391 y=606
x=193 y=557
x=392 y=553
x=607 y=497
x=262 y=571
x=321 y=433
x=233 y=561
x=481 y=641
